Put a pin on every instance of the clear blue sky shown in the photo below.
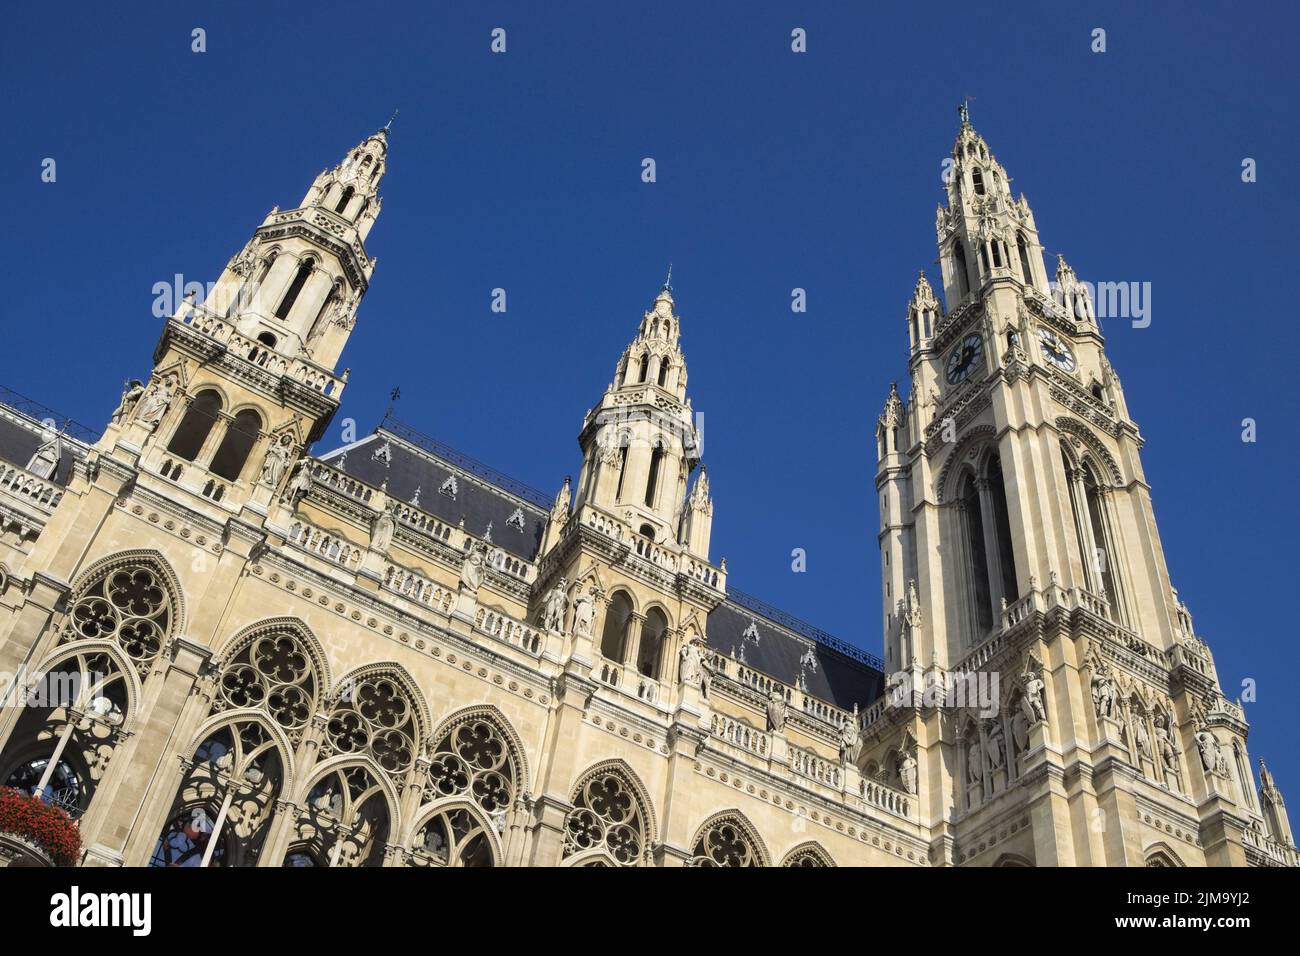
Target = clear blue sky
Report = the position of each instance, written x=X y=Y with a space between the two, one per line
x=821 y=171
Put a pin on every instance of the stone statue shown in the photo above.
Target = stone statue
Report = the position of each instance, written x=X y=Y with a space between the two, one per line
x=584 y=614
x=1103 y=694
x=776 y=711
x=1141 y=737
x=153 y=405
x=131 y=393
x=975 y=761
x=1032 y=702
x=994 y=748
x=1208 y=745
x=691 y=670
x=907 y=772
x=1266 y=782
x=275 y=464
x=1166 y=746
x=850 y=738
x=381 y=535
x=471 y=570
x=555 y=606
x=301 y=483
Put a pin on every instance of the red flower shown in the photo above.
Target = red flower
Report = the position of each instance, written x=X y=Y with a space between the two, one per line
x=49 y=827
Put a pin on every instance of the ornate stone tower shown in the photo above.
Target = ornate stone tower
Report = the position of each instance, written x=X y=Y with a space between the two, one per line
x=1018 y=542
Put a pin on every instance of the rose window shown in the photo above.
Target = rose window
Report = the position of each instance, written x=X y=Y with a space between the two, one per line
x=725 y=843
x=272 y=671
x=606 y=816
x=129 y=605
x=473 y=759
x=375 y=716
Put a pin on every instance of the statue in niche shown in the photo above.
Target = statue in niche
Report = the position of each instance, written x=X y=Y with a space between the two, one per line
x=131 y=393
x=993 y=750
x=1032 y=701
x=153 y=405
x=1208 y=745
x=691 y=669
x=850 y=738
x=1020 y=729
x=471 y=569
x=555 y=605
x=907 y=771
x=301 y=482
x=584 y=614
x=1104 y=694
x=1168 y=753
x=276 y=463
x=974 y=761
x=776 y=711
x=381 y=535
x=1141 y=738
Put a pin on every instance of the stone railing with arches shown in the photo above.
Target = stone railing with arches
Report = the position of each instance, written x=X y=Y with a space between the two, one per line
x=329 y=545
x=41 y=492
x=507 y=629
x=805 y=763
x=419 y=589
x=740 y=734
x=877 y=794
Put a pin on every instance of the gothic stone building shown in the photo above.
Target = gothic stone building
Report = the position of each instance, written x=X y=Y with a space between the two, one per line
x=231 y=652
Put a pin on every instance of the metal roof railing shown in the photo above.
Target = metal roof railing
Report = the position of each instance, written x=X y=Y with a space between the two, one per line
x=34 y=409
x=758 y=606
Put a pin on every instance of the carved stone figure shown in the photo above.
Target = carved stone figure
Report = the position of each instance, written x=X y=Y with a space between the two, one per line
x=974 y=761
x=584 y=614
x=555 y=605
x=993 y=749
x=471 y=570
x=1141 y=738
x=381 y=535
x=776 y=711
x=275 y=464
x=691 y=670
x=1208 y=745
x=131 y=393
x=153 y=405
x=1104 y=694
x=1168 y=753
x=301 y=482
x=907 y=772
x=1032 y=702
x=850 y=738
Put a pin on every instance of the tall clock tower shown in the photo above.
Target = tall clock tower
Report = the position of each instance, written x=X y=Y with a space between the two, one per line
x=1018 y=537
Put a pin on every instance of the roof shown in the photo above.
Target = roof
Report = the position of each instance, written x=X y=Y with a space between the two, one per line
x=437 y=479
x=25 y=426
x=794 y=653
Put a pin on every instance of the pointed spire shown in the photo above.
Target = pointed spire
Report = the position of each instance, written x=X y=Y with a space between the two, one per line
x=892 y=415
x=389 y=125
x=668 y=282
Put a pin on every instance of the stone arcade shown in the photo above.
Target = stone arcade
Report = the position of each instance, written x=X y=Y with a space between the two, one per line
x=390 y=655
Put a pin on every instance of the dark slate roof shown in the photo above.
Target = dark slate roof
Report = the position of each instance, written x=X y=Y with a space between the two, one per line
x=780 y=646
x=23 y=431
x=409 y=461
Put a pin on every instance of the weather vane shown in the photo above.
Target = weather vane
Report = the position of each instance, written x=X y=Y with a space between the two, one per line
x=389 y=124
x=964 y=110
x=668 y=282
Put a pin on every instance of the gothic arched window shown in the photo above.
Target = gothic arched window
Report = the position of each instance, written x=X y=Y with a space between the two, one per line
x=374 y=715
x=236 y=445
x=959 y=266
x=346 y=197
x=726 y=841
x=128 y=604
x=452 y=837
x=663 y=372
x=977 y=178
x=223 y=808
x=195 y=426
x=1022 y=247
x=652 y=481
x=976 y=556
x=608 y=817
x=645 y=367
x=617 y=615
x=808 y=855
x=295 y=287
x=273 y=671
x=650 y=652
x=1002 y=523
x=474 y=760
x=345 y=822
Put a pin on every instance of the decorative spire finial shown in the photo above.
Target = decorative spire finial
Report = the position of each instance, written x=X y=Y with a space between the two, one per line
x=964 y=110
x=668 y=282
x=389 y=124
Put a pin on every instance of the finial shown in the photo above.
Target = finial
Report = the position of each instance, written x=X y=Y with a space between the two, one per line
x=389 y=124
x=964 y=110
x=668 y=282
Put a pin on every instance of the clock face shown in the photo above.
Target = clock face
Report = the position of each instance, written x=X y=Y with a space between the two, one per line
x=1055 y=349
x=964 y=359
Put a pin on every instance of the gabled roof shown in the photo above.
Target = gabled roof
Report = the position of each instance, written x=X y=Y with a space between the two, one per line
x=434 y=478
x=794 y=653
x=25 y=427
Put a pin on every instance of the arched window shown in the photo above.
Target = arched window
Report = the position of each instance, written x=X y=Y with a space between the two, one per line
x=452 y=837
x=236 y=444
x=1006 y=550
x=613 y=637
x=295 y=287
x=645 y=367
x=1101 y=539
x=607 y=816
x=726 y=841
x=274 y=671
x=374 y=715
x=1022 y=247
x=652 y=481
x=663 y=372
x=223 y=809
x=984 y=259
x=346 y=197
x=976 y=556
x=622 y=470
x=474 y=760
x=129 y=604
x=959 y=266
x=345 y=822
x=808 y=855
x=977 y=177
x=650 y=652
x=195 y=427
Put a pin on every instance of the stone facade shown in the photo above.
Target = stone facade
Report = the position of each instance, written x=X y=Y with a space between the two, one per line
x=391 y=655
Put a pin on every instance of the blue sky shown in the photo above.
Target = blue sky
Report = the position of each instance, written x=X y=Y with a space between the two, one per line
x=775 y=170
